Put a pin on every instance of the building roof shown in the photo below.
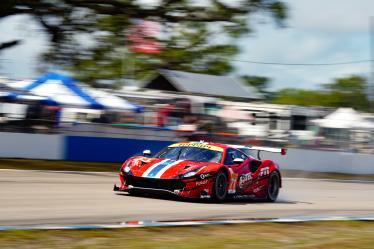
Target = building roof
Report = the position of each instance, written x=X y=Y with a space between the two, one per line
x=204 y=84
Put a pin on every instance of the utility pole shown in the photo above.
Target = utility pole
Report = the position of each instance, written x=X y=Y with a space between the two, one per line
x=371 y=78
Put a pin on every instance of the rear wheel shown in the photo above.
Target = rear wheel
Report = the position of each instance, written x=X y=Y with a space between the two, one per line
x=273 y=187
x=220 y=186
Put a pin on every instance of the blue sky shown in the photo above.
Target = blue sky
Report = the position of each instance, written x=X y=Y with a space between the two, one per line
x=317 y=31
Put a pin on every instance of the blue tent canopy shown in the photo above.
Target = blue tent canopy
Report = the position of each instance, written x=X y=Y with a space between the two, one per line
x=64 y=90
x=10 y=94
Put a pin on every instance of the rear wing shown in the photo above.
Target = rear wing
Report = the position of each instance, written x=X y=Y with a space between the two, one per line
x=282 y=151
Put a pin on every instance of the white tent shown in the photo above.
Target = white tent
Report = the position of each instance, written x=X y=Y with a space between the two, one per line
x=65 y=91
x=110 y=101
x=344 y=118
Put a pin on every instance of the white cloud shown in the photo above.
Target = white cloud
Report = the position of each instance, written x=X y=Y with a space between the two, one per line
x=318 y=32
x=331 y=15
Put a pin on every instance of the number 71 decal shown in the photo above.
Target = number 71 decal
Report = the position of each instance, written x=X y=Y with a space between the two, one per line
x=264 y=171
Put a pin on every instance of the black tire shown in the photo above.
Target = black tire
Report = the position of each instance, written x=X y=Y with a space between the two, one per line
x=220 y=187
x=273 y=187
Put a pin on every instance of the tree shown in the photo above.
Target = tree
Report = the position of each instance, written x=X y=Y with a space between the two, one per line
x=259 y=82
x=349 y=92
x=292 y=96
x=342 y=92
x=88 y=36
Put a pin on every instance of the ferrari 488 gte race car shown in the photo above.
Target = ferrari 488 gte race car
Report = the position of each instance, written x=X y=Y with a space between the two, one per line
x=203 y=170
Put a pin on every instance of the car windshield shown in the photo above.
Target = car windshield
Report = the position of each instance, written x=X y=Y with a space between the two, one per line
x=191 y=154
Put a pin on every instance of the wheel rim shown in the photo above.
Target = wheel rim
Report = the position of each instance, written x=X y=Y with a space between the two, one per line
x=221 y=186
x=273 y=187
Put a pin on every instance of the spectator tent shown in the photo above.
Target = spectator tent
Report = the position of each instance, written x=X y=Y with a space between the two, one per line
x=65 y=91
x=10 y=94
x=344 y=118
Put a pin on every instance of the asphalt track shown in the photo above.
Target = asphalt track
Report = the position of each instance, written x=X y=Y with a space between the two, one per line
x=70 y=198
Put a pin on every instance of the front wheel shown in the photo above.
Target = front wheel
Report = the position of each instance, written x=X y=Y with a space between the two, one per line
x=220 y=187
x=273 y=187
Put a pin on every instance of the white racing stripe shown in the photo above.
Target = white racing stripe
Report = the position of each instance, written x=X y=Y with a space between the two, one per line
x=159 y=174
x=145 y=174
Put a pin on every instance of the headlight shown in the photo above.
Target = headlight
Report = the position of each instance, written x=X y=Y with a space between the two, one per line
x=127 y=168
x=190 y=174
x=193 y=172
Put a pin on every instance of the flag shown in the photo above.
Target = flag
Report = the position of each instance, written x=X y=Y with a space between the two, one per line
x=142 y=39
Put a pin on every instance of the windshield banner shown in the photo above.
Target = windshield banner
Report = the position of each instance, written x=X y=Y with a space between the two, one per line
x=197 y=145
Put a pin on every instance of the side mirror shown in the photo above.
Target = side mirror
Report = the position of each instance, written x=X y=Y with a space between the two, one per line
x=146 y=153
x=238 y=160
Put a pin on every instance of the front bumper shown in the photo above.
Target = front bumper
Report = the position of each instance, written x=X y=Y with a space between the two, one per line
x=191 y=188
x=145 y=190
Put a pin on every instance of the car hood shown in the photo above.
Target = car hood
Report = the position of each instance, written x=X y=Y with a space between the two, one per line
x=165 y=168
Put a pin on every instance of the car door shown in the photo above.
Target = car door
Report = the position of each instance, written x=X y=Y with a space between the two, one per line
x=241 y=176
x=231 y=154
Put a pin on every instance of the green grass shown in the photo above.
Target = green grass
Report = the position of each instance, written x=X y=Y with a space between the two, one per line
x=341 y=234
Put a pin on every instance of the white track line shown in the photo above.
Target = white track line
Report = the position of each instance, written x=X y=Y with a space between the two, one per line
x=183 y=223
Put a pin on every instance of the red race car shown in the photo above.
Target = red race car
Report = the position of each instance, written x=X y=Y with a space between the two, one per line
x=204 y=170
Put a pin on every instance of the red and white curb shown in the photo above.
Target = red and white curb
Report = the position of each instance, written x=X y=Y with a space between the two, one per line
x=135 y=224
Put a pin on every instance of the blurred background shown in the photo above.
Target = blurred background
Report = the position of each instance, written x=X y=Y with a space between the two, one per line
x=101 y=80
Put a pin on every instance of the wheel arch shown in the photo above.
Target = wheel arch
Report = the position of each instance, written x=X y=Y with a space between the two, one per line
x=226 y=171
x=280 y=176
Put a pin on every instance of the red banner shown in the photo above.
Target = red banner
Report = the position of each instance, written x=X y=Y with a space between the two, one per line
x=142 y=38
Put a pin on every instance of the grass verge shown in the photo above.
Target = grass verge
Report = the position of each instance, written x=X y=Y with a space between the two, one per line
x=339 y=234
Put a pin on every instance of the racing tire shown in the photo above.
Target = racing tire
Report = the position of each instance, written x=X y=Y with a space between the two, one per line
x=273 y=187
x=220 y=186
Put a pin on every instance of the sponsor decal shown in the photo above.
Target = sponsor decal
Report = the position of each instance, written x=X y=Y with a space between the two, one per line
x=199 y=183
x=205 y=194
x=264 y=171
x=135 y=162
x=140 y=162
x=245 y=180
x=232 y=185
x=243 y=196
x=197 y=145
x=203 y=176
x=258 y=189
